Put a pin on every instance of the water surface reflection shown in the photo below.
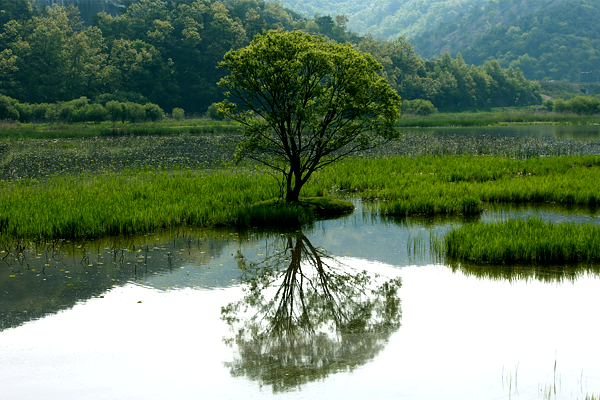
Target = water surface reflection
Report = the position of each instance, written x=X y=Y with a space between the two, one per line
x=306 y=315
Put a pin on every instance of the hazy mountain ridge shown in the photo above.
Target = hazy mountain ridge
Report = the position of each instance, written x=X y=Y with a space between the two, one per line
x=555 y=39
x=387 y=19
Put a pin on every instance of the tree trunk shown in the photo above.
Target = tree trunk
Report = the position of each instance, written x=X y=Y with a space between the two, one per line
x=293 y=191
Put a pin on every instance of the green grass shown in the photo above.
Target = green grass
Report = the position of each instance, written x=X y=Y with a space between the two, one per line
x=20 y=131
x=462 y=185
x=511 y=116
x=276 y=212
x=143 y=200
x=135 y=202
x=523 y=241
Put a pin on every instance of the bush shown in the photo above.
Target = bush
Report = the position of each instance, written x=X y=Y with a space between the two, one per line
x=121 y=97
x=115 y=110
x=134 y=112
x=154 y=112
x=418 y=107
x=559 y=106
x=178 y=113
x=95 y=113
x=213 y=113
x=547 y=105
x=8 y=109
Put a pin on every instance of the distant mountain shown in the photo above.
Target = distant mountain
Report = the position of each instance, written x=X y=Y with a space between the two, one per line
x=554 y=39
x=387 y=19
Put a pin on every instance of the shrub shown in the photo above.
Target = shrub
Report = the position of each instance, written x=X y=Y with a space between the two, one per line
x=178 y=113
x=8 y=109
x=213 y=113
x=154 y=112
x=418 y=107
x=95 y=113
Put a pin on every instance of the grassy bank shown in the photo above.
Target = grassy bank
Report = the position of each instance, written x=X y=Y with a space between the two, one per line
x=138 y=201
x=496 y=117
x=18 y=131
x=519 y=241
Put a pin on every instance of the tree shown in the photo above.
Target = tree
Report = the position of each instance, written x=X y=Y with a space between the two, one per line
x=306 y=102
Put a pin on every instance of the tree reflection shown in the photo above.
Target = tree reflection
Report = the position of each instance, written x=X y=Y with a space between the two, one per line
x=305 y=315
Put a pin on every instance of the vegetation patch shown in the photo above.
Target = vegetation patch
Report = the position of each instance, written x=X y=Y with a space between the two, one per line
x=279 y=213
x=523 y=241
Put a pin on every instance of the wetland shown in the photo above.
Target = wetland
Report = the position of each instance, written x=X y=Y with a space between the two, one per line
x=367 y=305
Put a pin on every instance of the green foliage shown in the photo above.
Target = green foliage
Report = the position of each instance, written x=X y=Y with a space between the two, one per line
x=450 y=83
x=418 y=107
x=213 y=112
x=178 y=113
x=276 y=212
x=524 y=241
x=578 y=105
x=306 y=102
x=387 y=19
x=558 y=40
x=8 y=109
x=79 y=110
x=165 y=52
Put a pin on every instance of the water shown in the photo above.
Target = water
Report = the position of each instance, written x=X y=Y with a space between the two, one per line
x=316 y=313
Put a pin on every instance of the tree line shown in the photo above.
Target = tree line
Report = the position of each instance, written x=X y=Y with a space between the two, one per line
x=167 y=51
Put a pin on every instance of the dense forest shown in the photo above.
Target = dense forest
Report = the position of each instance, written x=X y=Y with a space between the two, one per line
x=166 y=52
x=554 y=39
x=388 y=19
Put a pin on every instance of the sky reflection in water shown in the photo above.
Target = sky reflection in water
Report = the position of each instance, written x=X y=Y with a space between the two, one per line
x=142 y=319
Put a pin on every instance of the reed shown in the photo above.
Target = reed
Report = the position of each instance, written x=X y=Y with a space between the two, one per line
x=462 y=185
x=523 y=241
x=87 y=130
x=84 y=205
x=497 y=117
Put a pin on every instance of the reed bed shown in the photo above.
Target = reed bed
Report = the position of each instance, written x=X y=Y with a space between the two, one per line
x=90 y=206
x=462 y=185
x=523 y=241
x=87 y=130
x=500 y=117
x=143 y=200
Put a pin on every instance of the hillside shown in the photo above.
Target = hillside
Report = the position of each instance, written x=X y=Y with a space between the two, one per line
x=387 y=19
x=167 y=53
x=554 y=39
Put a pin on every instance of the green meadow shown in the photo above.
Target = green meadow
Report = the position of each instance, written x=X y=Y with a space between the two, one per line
x=90 y=186
x=131 y=201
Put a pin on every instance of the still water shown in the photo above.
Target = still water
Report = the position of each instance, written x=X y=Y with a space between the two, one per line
x=351 y=308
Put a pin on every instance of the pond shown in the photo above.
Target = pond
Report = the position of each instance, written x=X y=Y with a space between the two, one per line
x=352 y=308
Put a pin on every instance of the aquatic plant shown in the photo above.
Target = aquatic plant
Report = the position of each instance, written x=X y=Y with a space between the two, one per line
x=523 y=241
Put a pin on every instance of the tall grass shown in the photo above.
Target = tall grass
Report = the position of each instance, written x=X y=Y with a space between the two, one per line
x=140 y=201
x=89 y=206
x=462 y=185
x=499 y=117
x=87 y=130
x=523 y=241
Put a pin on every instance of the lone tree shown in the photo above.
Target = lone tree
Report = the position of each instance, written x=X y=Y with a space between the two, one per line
x=305 y=102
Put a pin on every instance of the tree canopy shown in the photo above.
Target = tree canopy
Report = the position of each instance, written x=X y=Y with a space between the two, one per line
x=166 y=51
x=305 y=102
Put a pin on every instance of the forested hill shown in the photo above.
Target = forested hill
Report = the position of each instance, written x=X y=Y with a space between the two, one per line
x=387 y=18
x=555 y=39
x=89 y=8
x=167 y=52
